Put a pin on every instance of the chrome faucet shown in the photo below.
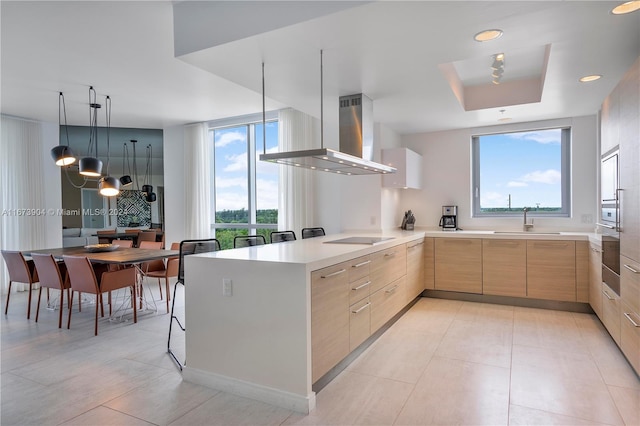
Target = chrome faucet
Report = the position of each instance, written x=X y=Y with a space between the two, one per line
x=527 y=225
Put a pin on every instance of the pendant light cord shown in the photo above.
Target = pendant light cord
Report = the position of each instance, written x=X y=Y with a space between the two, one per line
x=64 y=111
x=107 y=104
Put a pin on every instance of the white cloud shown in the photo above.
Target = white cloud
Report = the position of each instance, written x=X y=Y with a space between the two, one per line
x=237 y=163
x=516 y=184
x=494 y=199
x=267 y=194
x=550 y=177
x=542 y=136
x=229 y=138
x=237 y=182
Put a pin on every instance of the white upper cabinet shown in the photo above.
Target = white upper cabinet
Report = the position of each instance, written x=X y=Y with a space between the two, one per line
x=409 y=165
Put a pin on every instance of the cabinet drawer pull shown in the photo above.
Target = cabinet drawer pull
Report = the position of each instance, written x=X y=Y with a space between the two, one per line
x=357 y=265
x=365 y=306
x=631 y=269
x=595 y=250
x=392 y=289
x=551 y=244
x=390 y=254
x=415 y=245
x=334 y=274
x=363 y=285
x=635 y=324
x=607 y=294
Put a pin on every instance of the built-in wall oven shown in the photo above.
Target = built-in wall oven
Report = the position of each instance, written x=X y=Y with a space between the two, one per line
x=610 y=221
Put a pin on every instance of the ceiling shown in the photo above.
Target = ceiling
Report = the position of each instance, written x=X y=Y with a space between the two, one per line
x=395 y=52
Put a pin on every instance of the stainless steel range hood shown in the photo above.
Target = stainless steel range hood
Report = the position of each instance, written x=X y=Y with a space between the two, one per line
x=356 y=144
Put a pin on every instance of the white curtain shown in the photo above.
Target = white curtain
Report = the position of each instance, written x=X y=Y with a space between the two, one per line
x=297 y=131
x=22 y=187
x=197 y=181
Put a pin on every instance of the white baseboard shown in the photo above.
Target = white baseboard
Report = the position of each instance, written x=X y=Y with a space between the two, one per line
x=288 y=400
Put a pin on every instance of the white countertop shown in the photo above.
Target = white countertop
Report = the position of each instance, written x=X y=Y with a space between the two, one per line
x=317 y=253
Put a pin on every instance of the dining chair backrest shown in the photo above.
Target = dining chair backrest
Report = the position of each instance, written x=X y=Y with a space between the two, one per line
x=188 y=247
x=48 y=270
x=312 y=232
x=81 y=274
x=156 y=245
x=280 y=236
x=131 y=231
x=17 y=267
x=123 y=243
x=248 y=241
x=146 y=236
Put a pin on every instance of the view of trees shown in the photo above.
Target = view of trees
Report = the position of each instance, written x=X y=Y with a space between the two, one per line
x=226 y=235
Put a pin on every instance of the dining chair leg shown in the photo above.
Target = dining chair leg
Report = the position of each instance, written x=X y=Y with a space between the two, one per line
x=168 y=291
x=101 y=304
x=160 y=288
x=38 y=307
x=96 y=325
x=135 y=311
x=79 y=300
x=61 y=306
x=70 y=308
x=6 y=308
x=29 y=303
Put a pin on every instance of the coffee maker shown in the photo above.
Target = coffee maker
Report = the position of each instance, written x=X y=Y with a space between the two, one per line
x=449 y=219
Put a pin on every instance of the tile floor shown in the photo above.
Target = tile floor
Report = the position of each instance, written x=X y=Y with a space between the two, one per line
x=444 y=362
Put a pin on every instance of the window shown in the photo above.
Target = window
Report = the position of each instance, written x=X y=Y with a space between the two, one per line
x=512 y=171
x=245 y=198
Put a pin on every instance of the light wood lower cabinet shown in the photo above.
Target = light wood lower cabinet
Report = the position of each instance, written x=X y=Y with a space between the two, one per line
x=415 y=269
x=551 y=270
x=458 y=264
x=630 y=335
x=387 y=302
x=504 y=267
x=387 y=265
x=429 y=263
x=329 y=318
x=582 y=271
x=595 y=278
x=611 y=312
x=630 y=282
x=359 y=323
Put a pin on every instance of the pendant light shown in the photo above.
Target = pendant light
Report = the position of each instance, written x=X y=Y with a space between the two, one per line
x=62 y=154
x=108 y=185
x=92 y=166
x=147 y=188
x=125 y=180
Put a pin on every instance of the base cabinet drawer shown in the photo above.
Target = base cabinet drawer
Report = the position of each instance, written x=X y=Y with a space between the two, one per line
x=359 y=323
x=387 y=266
x=595 y=279
x=415 y=269
x=458 y=265
x=630 y=282
x=551 y=270
x=630 y=335
x=504 y=267
x=387 y=302
x=611 y=312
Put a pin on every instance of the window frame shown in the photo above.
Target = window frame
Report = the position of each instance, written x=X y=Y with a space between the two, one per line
x=253 y=142
x=565 y=175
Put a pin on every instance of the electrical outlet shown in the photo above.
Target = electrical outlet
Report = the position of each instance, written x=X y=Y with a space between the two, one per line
x=227 y=287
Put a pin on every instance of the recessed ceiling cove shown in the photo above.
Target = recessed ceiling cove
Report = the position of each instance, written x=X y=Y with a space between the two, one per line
x=521 y=79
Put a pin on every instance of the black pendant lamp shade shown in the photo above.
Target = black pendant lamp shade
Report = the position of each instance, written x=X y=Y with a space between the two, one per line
x=126 y=180
x=90 y=166
x=109 y=186
x=62 y=154
x=151 y=197
x=147 y=189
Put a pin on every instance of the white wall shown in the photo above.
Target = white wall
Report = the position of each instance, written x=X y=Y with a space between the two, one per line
x=447 y=176
x=53 y=193
x=174 y=199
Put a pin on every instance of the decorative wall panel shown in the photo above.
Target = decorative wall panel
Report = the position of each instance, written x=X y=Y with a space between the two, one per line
x=133 y=210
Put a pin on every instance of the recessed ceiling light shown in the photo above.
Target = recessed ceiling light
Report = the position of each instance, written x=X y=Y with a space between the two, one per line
x=588 y=78
x=627 y=7
x=488 y=35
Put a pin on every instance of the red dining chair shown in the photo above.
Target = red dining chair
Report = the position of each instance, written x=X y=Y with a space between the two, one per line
x=20 y=271
x=51 y=277
x=170 y=270
x=83 y=279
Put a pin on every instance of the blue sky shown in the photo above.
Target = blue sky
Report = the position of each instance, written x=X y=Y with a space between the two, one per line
x=526 y=165
x=231 y=168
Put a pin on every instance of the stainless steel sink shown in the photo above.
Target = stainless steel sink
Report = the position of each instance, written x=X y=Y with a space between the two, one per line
x=526 y=232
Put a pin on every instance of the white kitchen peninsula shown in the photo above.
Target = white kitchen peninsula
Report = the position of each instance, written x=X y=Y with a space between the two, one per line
x=256 y=340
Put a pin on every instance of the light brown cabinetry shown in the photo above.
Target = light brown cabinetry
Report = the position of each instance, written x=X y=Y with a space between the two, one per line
x=611 y=312
x=609 y=124
x=415 y=269
x=359 y=323
x=429 y=263
x=629 y=134
x=387 y=265
x=630 y=310
x=582 y=271
x=387 y=302
x=595 y=278
x=504 y=267
x=458 y=264
x=329 y=318
x=551 y=270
